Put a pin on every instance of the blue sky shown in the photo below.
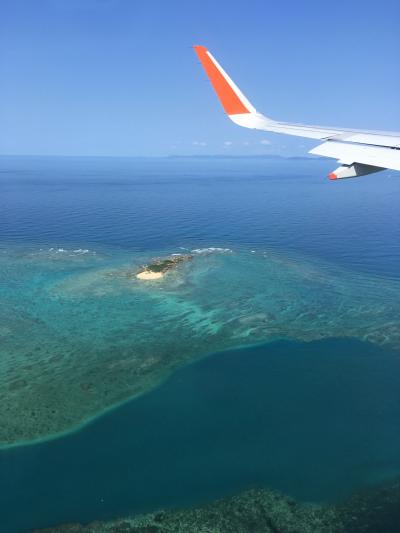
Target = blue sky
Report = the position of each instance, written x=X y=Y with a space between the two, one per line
x=119 y=77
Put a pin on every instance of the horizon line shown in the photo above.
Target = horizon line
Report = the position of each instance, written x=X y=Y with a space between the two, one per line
x=171 y=156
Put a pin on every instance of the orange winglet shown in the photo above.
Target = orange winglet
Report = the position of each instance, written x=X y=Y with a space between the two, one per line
x=230 y=101
x=332 y=176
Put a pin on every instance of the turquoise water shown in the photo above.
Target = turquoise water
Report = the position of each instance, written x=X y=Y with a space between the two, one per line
x=81 y=334
x=305 y=268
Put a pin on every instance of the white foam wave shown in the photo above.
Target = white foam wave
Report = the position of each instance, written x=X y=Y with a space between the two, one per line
x=81 y=251
x=64 y=251
x=211 y=250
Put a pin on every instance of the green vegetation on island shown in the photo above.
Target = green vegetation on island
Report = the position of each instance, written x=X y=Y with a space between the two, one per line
x=161 y=266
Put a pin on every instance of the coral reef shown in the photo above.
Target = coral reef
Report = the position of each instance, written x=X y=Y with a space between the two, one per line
x=375 y=510
x=80 y=334
x=264 y=511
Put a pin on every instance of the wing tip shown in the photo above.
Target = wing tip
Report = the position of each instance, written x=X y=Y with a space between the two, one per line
x=231 y=98
x=201 y=51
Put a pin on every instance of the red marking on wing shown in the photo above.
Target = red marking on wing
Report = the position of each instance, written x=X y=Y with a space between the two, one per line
x=229 y=99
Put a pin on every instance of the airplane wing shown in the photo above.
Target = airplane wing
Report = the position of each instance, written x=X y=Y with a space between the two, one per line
x=358 y=152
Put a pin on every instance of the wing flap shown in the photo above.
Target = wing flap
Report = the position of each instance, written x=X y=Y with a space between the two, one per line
x=376 y=139
x=359 y=153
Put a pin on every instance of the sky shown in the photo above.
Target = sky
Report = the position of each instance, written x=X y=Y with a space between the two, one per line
x=120 y=78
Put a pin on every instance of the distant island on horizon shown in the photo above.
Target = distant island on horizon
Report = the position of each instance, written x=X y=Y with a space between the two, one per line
x=169 y=156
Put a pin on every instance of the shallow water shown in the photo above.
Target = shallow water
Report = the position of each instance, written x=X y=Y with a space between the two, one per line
x=279 y=252
x=81 y=334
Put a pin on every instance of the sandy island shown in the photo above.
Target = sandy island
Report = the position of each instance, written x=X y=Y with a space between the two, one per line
x=149 y=275
x=158 y=267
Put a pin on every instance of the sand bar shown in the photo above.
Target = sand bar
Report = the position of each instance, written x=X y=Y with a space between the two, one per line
x=149 y=275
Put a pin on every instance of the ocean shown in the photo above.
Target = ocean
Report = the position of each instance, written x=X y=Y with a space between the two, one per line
x=270 y=359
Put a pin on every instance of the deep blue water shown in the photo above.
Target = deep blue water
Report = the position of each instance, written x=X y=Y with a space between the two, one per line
x=315 y=420
x=161 y=203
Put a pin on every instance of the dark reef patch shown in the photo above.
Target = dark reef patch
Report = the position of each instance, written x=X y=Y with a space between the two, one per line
x=164 y=264
x=264 y=511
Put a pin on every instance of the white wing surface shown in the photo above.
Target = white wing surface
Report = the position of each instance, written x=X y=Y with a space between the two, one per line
x=358 y=152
